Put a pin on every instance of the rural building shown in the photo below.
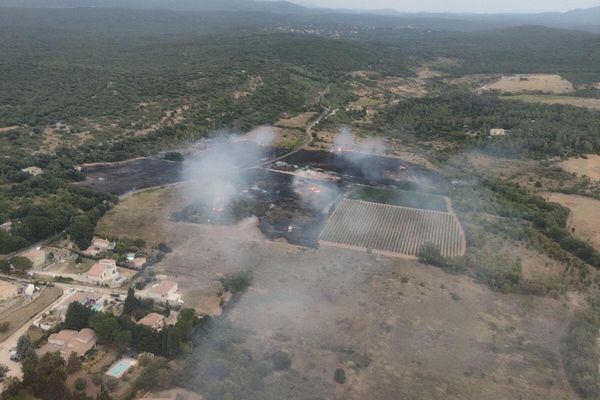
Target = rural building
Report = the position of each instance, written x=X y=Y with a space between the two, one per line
x=104 y=271
x=8 y=290
x=138 y=262
x=33 y=170
x=29 y=290
x=68 y=341
x=99 y=245
x=153 y=320
x=7 y=226
x=497 y=132
x=163 y=291
x=37 y=257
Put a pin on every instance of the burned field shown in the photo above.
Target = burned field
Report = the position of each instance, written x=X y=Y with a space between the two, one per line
x=120 y=178
x=367 y=169
x=287 y=206
x=392 y=230
x=293 y=200
x=348 y=166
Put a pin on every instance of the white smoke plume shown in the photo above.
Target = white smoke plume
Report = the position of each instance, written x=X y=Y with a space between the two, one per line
x=216 y=175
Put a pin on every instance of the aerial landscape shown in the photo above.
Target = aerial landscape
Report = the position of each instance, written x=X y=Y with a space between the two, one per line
x=240 y=199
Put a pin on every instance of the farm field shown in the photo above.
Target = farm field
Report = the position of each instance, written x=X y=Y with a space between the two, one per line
x=590 y=103
x=18 y=317
x=392 y=230
x=585 y=215
x=403 y=198
x=530 y=83
x=589 y=166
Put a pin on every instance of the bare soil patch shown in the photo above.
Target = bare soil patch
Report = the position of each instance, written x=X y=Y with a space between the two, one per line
x=9 y=128
x=529 y=83
x=585 y=215
x=589 y=166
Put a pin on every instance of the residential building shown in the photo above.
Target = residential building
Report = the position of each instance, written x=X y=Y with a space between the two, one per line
x=37 y=256
x=99 y=245
x=6 y=227
x=153 y=320
x=68 y=341
x=138 y=262
x=33 y=170
x=162 y=291
x=105 y=271
x=30 y=290
x=497 y=132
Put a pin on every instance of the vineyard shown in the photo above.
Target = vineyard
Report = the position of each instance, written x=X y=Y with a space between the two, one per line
x=392 y=230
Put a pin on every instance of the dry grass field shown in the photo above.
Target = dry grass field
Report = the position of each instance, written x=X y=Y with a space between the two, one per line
x=590 y=103
x=530 y=83
x=392 y=230
x=296 y=122
x=589 y=166
x=399 y=329
x=585 y=215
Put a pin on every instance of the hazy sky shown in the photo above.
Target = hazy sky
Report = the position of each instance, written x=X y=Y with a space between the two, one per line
x=479 y=6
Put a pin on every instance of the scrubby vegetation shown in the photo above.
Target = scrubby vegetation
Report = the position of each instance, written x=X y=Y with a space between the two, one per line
x=581 y=353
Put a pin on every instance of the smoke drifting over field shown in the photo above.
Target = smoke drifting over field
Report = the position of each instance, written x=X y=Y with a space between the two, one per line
x=357 y=152
x=215 y=176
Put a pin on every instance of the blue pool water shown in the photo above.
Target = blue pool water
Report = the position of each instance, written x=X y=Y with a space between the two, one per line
x=120 y=367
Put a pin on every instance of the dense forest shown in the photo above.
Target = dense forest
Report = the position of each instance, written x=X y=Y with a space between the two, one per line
x=535 y=130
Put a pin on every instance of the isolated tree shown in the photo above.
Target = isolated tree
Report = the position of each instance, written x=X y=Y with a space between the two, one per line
x=21 y=264
x=340 y=376
x=281 y=360
x=80 y=384
x=103 y=395
x=25 y=349
x=74 y=363
x=3 y=371
x=131 y=302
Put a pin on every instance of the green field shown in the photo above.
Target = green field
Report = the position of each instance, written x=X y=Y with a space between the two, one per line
x=402 y=198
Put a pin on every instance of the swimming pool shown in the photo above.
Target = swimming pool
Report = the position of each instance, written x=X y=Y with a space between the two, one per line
x=120 y=367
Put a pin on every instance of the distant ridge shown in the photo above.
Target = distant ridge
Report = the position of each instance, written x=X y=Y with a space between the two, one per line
x=177 y=5
x=581 y=19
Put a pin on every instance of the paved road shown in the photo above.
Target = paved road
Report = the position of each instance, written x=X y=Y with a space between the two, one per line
x=11 y=341
x=308 y=141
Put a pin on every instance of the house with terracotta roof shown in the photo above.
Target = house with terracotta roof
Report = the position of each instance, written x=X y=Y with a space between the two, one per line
x=162 y=291
x=99 y=245
x=68 y=341
x=105 y=271
x=138 y=262
x=153 y=320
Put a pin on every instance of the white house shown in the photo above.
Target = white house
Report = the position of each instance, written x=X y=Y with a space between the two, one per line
x=162 y=291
